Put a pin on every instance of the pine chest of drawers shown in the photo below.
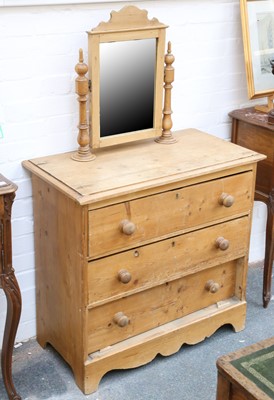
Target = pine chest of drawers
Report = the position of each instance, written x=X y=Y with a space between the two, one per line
x=141 y=250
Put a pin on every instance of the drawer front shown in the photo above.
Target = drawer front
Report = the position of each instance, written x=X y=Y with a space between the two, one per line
x=150 y=265
x=127 y=317
x=165 y=213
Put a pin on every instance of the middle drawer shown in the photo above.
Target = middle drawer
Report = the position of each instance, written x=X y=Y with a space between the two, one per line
x=147 y=266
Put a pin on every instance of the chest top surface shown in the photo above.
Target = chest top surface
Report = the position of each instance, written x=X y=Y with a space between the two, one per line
x=126 y=168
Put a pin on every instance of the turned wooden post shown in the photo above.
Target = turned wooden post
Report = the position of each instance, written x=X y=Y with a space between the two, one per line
x=166 y=137
x=81 y=87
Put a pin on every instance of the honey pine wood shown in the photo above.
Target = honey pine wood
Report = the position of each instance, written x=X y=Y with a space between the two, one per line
x=142 y=250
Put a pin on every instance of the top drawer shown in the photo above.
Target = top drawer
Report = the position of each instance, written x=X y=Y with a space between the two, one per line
x=130 y=223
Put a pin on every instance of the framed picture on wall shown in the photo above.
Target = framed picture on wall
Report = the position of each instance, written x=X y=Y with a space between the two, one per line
x=258 y=40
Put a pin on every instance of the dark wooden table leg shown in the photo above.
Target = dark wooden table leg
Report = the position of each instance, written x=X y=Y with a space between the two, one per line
x=13 y=295
x=223 y=388
x=12 y=291
x=269 y=247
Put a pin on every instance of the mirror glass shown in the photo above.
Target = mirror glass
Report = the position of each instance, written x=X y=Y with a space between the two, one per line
x=127 y=85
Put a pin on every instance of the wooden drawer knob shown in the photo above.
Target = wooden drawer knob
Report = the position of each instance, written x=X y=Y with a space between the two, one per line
x=127 y=227
x=121 y=319
x=222 y=243
x=226 y=200
x=124 y=276
x=212 y=286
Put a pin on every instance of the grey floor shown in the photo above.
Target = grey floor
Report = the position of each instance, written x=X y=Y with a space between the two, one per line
x=189 y=374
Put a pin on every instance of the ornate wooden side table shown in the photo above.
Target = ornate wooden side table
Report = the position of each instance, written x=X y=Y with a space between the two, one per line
x=8 y=283
x=247 y=373
x=250 y=129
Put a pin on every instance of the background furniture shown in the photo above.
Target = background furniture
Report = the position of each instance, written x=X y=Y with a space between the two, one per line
x=136 y=252
x=251 y=130
x=8 y=284
x=247 y=374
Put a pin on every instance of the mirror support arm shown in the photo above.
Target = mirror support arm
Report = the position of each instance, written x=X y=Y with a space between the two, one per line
x=166 y=137
x=82 y=89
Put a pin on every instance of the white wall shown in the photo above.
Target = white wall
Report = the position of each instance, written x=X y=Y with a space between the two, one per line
x=38 y=108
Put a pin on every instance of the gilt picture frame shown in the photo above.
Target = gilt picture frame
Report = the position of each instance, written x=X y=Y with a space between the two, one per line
x=257 y=18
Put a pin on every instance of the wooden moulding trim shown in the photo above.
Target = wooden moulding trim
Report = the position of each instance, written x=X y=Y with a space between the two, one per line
x=143 y=189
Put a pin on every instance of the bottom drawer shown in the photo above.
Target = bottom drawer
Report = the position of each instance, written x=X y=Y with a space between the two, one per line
x=124 y=318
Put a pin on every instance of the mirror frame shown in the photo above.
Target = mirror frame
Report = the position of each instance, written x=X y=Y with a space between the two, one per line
x=130 y=23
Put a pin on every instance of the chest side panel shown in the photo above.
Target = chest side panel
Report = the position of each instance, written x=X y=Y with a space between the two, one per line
x=60 y=247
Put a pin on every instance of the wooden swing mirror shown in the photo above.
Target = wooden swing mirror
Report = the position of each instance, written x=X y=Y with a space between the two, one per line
x=127 y=69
